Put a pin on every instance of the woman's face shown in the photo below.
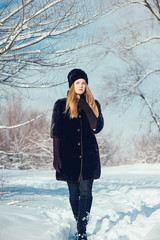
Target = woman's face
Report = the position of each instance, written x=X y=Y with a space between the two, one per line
x=80 y=86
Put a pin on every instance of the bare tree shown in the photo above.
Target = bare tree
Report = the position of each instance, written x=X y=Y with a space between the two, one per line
x=108 y=150
x=152 y=5
x=135 y=48
x=147 y=150
x=39 y=36
x=15 y=113
x=26 y=145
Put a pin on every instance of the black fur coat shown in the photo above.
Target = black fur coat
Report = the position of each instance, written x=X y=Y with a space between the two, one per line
x=79 y=151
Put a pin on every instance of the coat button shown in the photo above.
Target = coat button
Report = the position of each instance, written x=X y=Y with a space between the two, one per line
x=78 y=130
x=80 y=116
x=79 y=143
x=80 y=156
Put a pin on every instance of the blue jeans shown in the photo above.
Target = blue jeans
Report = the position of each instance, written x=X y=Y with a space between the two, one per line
x=80 y=189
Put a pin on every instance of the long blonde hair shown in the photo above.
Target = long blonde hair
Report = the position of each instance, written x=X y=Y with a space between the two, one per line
x=72 y=102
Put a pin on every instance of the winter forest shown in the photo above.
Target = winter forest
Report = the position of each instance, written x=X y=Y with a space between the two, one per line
x=118 y=44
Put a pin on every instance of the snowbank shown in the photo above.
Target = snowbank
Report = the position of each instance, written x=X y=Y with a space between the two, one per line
x=126 y=206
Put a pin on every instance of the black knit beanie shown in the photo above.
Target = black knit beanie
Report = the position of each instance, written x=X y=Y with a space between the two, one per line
x=76 y=74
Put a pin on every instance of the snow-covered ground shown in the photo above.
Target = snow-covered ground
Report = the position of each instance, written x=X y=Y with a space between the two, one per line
x=126 y=206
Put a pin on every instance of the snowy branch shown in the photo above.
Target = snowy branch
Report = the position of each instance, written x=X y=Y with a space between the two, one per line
x=35 y=29
x=155 y=118
x=21 y=124
x=142 y=79
x=141 y=42
x=152 y=7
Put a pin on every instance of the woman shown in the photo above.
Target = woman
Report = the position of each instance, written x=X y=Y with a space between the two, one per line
x=75 y=121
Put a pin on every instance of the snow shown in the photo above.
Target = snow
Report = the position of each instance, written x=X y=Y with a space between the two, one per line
x=126 y=205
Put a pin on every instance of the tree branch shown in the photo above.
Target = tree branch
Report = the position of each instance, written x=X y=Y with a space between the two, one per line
x=142 y=79
x=141 y=42
x=21 y=124
x=150 y=109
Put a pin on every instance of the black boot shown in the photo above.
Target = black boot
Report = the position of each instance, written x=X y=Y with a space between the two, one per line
x=81 y=236
x=83 y=217
x=75 y=207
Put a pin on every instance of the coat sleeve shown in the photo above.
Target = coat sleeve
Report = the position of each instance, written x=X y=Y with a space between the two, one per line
x=56 y=122
x=100 y=122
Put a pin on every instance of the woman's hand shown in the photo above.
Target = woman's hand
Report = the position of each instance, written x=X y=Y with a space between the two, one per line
x=83 y=104
x=89 y=113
